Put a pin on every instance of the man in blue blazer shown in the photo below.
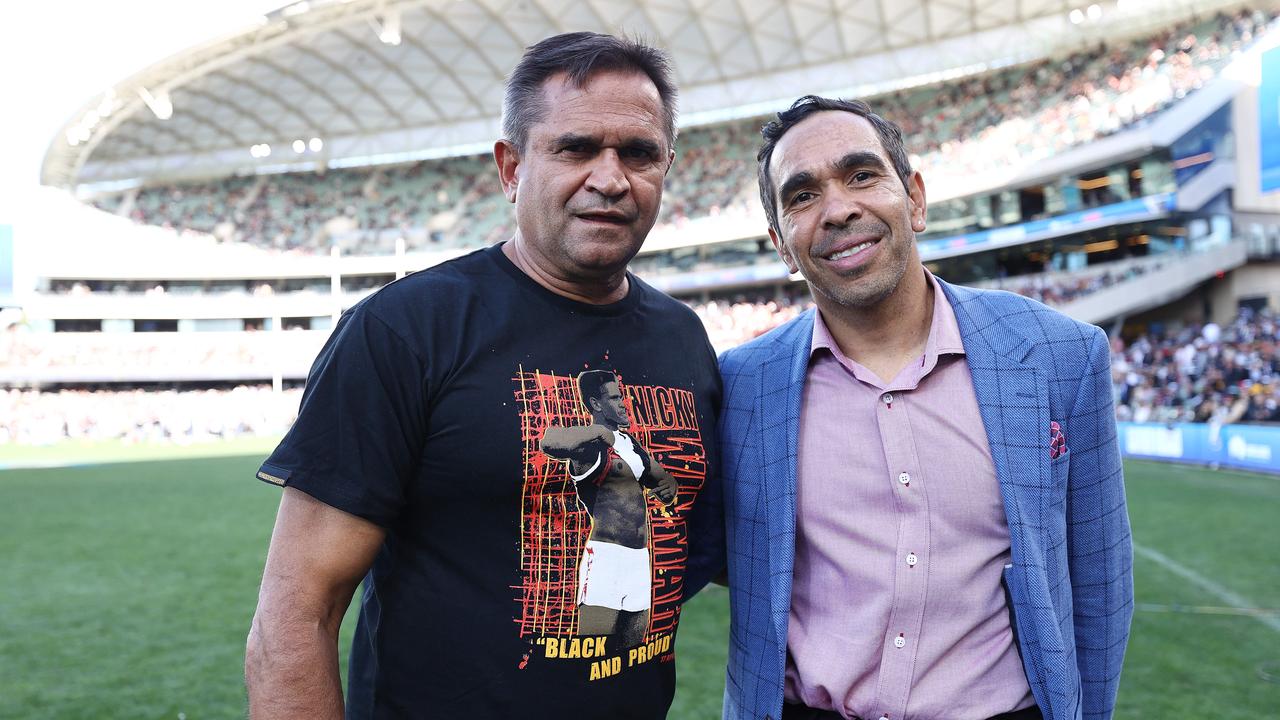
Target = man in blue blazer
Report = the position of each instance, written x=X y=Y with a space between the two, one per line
x=923 y=500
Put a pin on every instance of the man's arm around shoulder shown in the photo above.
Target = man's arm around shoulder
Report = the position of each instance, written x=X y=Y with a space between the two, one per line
x=318 y=555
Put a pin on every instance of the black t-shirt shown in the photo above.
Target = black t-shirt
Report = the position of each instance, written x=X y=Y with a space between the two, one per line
x=425 y=413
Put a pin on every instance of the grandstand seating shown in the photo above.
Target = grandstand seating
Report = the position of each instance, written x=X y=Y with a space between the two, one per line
x=1200 y=373
x=1027 y=112
x=1194 y=374
x=33 y=417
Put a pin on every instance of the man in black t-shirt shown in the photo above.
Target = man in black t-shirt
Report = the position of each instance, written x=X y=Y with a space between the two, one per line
x=428 y=459
x=610 y=471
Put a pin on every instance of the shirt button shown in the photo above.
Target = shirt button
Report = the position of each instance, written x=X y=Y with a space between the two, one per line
x=887 y=398
x=912 y=559
x=900 y=641
x=904 y=478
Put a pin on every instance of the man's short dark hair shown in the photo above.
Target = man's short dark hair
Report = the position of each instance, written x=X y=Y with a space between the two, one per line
x=591 y=384
x=579 y=55
x=890 y=139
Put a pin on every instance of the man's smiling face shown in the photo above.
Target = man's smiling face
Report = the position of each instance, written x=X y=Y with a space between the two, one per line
x=845 y=220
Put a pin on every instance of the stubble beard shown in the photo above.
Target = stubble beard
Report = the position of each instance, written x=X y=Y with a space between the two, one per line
x=865 y=288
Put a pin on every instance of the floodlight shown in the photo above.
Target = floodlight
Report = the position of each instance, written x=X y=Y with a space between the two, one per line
x=1095 y=12
x=160 y=104
x=299 y=146
x=389 y=32
x=1076 y=16
x=316 y=144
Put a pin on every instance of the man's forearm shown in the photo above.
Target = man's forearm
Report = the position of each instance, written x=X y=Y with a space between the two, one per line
x=561 y=442
x=291 y=671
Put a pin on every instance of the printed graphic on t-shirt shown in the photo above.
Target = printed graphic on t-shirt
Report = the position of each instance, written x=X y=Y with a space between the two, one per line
x=610 y=470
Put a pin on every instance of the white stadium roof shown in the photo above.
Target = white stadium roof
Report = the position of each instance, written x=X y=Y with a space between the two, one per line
x=377 y=81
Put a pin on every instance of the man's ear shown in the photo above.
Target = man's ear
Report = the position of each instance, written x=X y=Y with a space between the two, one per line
x=783 y=253
x=507 y=158
x=919 y=207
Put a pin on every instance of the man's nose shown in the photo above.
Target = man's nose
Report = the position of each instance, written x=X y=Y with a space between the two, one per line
x=608 y=175
x=840 y=207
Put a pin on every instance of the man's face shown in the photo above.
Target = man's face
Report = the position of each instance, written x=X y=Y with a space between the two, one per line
x=847 y=223
x=609 y=408
x=588 y=185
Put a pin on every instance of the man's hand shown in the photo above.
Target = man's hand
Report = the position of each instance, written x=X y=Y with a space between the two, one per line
x=666 y=488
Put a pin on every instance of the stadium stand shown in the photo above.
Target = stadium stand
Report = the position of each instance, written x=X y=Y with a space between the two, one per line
x=1025 y=112
x=144 y=414
x=1030 y=111
x=1194 y=373
x=1200 y=373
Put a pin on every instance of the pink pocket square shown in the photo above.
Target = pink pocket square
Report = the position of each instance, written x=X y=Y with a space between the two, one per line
x=1057 y=441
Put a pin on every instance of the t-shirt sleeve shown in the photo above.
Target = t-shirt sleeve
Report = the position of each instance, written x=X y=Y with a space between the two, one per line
x=359 y=433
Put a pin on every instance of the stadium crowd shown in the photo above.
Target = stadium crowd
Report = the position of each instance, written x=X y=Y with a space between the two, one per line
x=1197 y=373
x=958 y=129
x=1058 y=289
x=34 y=417
x=1200 y=373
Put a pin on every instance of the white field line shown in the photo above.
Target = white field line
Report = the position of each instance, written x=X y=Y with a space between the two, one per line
x=1204 y=610
x=1226 y=596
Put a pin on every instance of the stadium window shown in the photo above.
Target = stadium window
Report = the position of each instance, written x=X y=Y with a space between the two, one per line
x=155 y=326
x=77 y=326
x=1256 y=303
x=1031 y=202
x=296 y=323
x=1135 y=180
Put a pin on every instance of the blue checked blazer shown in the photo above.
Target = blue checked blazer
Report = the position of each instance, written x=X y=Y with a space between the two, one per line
x=1070 y=582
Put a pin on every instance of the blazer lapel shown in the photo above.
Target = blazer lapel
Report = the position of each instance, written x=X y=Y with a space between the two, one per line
x=1013 y=399
x=781 y=391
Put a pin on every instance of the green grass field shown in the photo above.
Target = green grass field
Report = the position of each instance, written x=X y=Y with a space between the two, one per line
x=126 y=591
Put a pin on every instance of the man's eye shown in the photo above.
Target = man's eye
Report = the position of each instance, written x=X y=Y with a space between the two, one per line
x=801 y=197
x=636 y=154
x=862 y=176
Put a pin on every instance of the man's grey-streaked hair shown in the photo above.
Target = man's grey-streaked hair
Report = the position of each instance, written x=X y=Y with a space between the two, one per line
x=579 y=55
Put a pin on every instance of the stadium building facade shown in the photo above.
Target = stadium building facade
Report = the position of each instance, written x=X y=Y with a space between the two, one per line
x=1113 y=167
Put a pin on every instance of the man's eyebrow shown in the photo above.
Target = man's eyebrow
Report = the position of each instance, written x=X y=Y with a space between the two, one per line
x=860 y=158
x=574 y=139
x=793 y=183
x=644 y=144
x=638 y=143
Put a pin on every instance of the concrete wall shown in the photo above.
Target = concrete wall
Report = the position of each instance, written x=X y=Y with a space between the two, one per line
x=1259 y=279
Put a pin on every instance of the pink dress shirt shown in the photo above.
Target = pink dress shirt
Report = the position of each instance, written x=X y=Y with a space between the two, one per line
x=897 y=605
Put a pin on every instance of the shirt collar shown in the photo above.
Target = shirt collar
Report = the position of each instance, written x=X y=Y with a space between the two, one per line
x=944 y=332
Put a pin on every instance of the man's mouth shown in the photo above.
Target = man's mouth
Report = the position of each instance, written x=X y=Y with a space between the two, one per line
x=605 y=217
x=851 y=250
